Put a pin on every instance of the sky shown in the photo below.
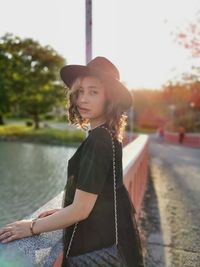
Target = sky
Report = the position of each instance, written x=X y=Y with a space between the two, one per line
x=134 y=34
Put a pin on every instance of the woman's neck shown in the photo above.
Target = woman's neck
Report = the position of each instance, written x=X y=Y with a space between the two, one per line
x=95 y=125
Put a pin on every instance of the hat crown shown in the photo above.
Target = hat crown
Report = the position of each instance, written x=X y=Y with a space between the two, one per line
x=104 y=65
x=104 y=69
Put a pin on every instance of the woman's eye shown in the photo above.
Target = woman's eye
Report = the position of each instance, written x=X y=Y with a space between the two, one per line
x=94 y=92
x=80 y=91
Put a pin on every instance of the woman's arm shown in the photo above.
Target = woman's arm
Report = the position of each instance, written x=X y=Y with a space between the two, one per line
x=79 y=210
x=48 y=212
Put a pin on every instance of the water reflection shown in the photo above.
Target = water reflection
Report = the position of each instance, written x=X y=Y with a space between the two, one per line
x=13 y=257
x=30 y=175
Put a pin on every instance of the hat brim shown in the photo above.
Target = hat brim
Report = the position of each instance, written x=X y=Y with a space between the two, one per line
x=120 y=93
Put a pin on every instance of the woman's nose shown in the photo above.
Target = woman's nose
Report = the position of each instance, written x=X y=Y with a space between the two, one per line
x=83 y=97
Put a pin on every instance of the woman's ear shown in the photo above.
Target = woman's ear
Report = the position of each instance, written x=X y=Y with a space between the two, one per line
x=108 y=105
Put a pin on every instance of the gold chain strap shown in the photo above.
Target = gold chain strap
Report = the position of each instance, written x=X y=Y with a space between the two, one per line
x=114 y=186
x=115 y=198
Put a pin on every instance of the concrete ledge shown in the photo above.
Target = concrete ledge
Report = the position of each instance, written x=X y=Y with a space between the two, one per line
x=190 y=139
x=132 y=151
x=43 y=250
x=40 y=251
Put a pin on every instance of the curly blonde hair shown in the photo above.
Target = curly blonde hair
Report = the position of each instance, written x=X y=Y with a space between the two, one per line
x=116 y=117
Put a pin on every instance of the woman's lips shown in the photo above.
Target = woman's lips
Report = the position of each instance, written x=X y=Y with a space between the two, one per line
x=83 y=109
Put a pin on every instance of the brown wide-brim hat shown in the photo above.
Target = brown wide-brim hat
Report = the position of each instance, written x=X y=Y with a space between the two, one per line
x=104 y=69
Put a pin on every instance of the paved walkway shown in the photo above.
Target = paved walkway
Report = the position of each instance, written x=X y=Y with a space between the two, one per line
x=171 y=213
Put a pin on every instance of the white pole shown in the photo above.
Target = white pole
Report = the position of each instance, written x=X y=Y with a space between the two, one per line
x=88 y=32
x=88 y=5
x=131 y=123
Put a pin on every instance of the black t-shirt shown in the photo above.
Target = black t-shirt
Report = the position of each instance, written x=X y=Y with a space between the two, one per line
x=91 y=169
x=91 y=166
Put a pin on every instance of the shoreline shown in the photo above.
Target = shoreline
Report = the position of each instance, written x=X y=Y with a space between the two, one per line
x=49 y=136
x=27 y=139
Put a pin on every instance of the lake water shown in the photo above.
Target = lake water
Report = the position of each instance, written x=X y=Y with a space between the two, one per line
x=30 y=175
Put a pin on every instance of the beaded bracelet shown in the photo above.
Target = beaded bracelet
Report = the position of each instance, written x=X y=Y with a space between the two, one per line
x=31 y=227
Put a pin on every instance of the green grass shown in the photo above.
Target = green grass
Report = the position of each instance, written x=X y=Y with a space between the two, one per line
x=43 y=135
x=144 y=130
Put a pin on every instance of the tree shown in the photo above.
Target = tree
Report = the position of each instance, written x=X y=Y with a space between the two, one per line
x=189 y=37
x=30 y=77
x=5 y=81
x=183 y=101
x=149 y=109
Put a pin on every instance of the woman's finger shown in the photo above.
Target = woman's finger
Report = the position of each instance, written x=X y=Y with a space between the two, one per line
x=11 y=224
x=46 y=213
x=18 y=230
x=5 y=235
x=43 y=214
x=40 y=215
x=9 y=239
x=5 y=229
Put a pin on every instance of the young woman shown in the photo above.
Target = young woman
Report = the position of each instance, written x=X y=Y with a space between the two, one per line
x=97 y=99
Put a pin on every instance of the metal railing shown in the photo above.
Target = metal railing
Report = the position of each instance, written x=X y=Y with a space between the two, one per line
x=190 y=139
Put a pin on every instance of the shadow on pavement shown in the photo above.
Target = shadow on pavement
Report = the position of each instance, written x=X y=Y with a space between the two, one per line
x=151 y=228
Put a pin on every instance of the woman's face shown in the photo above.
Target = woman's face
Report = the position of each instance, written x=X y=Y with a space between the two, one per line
x=91 y=99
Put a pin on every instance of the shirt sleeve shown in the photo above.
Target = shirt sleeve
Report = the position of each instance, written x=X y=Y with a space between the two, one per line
x=95 y=161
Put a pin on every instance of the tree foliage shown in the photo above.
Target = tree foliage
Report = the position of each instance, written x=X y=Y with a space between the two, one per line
x=29 y=77
x=184 y=98
x=172 y=106
x=188 y=36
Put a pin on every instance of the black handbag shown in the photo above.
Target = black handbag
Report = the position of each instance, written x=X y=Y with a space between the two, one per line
x=106 y=257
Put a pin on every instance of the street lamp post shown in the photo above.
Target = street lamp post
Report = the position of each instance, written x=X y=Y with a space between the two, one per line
x=172 y=108
x=192 y=105
x=88 y=30
x=88 y=33
x=131 y=122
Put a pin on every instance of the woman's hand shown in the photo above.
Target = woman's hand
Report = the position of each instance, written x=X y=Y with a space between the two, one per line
x=15 y=230
x=47 y=213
